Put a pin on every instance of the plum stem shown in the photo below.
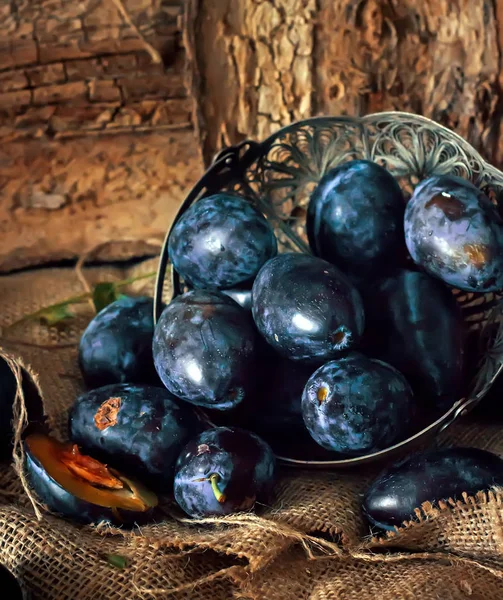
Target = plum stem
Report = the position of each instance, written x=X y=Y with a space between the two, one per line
x=219 y=495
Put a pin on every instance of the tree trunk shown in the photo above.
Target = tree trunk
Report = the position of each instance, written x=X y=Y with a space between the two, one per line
x=96 y=132
x=261 y=65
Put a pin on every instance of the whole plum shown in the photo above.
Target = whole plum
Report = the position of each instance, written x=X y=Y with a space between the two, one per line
x=357 y=405
x=116 y=346
x=205 y=349
x=306 y=308
x=221 y=242
x=455 y=233
x=7 y=396
x=141 y=426
x=415 y=324
x=429 y=477
x=224 y=470
x=355 y=218
x=242 y=296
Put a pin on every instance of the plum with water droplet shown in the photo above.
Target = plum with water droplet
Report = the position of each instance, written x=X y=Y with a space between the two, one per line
x=355 y=218
x=455 y=234
x=221 y=242
x=223 y=471
x=306 y=308
x=357 y=405
x=205 y=349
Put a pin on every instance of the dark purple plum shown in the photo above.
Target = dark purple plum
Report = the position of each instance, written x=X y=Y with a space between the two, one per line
x=7 y=395
x=11 y=590
x=142 y=427
x=357 y=405
x=241 y=296
x=116 y=346
x=205 y=349
x=221 y=242
x=223 y=471
x=306 y=309
x=429 y=477
x=414 y=323
x=455 y=233
x=81 y=488
x=355 y=218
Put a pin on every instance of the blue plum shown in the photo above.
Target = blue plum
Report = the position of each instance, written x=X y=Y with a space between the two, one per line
x=141 y=426
x=221 y=242
x=205 y=349
x=429 y=477
x=455 y=233
x=79 y=487
x=355 y=218
x=7 y=396
x=415 y=324
x=224 y=470
x=357 y=405
x=116 y=346
x=242 y=296
x=306 y=309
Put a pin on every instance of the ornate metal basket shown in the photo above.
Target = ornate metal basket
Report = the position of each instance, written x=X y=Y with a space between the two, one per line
x=279 y=174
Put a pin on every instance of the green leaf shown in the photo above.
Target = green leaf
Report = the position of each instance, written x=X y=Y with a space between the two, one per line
x=117 y=561
x=53 y=315
x=104 y=293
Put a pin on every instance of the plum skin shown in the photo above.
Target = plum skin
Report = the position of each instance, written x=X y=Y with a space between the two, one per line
x=415 y=324
x=116 y=346
x=357 y=405
x=355 y=217
x=150 y=429
x=220 y=242
x=454 y=232
x=205 y=349
x=429 y=477
x=306 y=308
x=243 y=463
x=8 y=388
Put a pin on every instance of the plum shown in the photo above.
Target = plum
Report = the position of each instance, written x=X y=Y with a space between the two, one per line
x=80 y=487
x=8 y=388
x=414 y=323
x=143 y=427
x=205 y=349
x=11 y=590
x=355 y=218
x=242 y=296
x=221 y=242
x=431 y=476
x=455 y=233
x=224 y=470
x=306 y=308
x=357 y=405
x=116 y=346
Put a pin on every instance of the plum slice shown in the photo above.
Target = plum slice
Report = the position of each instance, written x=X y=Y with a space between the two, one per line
x=80 y=487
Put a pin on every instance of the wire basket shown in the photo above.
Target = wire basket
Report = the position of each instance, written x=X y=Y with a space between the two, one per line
x=278 y=176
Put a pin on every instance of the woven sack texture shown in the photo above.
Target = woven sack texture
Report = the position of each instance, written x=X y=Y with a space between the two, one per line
x=311 y=543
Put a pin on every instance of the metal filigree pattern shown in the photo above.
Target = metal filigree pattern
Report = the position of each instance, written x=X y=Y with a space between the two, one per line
x=279 y=174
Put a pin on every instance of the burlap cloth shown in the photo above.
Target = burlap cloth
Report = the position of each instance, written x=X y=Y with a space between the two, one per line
x=311 y=544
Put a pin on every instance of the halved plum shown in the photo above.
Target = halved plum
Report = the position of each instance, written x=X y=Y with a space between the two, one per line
x=82 y=488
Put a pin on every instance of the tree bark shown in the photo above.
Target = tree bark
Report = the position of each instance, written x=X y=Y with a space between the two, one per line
x=261 y=64
x=96 y=130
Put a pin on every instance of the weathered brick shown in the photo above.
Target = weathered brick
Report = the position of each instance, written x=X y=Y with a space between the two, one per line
x=82 y=69
x=177 y=111
x=67 y=92
x=98 y=34
x=52 y=73
x=110 y=46
x=24 y=52
x=12 y=80
x=170 y=85
x=34 y=117
x=18 y=98
x=126 y=117
x=61 y=51
x=73 y=118
x=119 y=65
x=104 y=91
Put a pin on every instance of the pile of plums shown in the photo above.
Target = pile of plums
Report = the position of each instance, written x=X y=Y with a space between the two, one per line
x=343 y=353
